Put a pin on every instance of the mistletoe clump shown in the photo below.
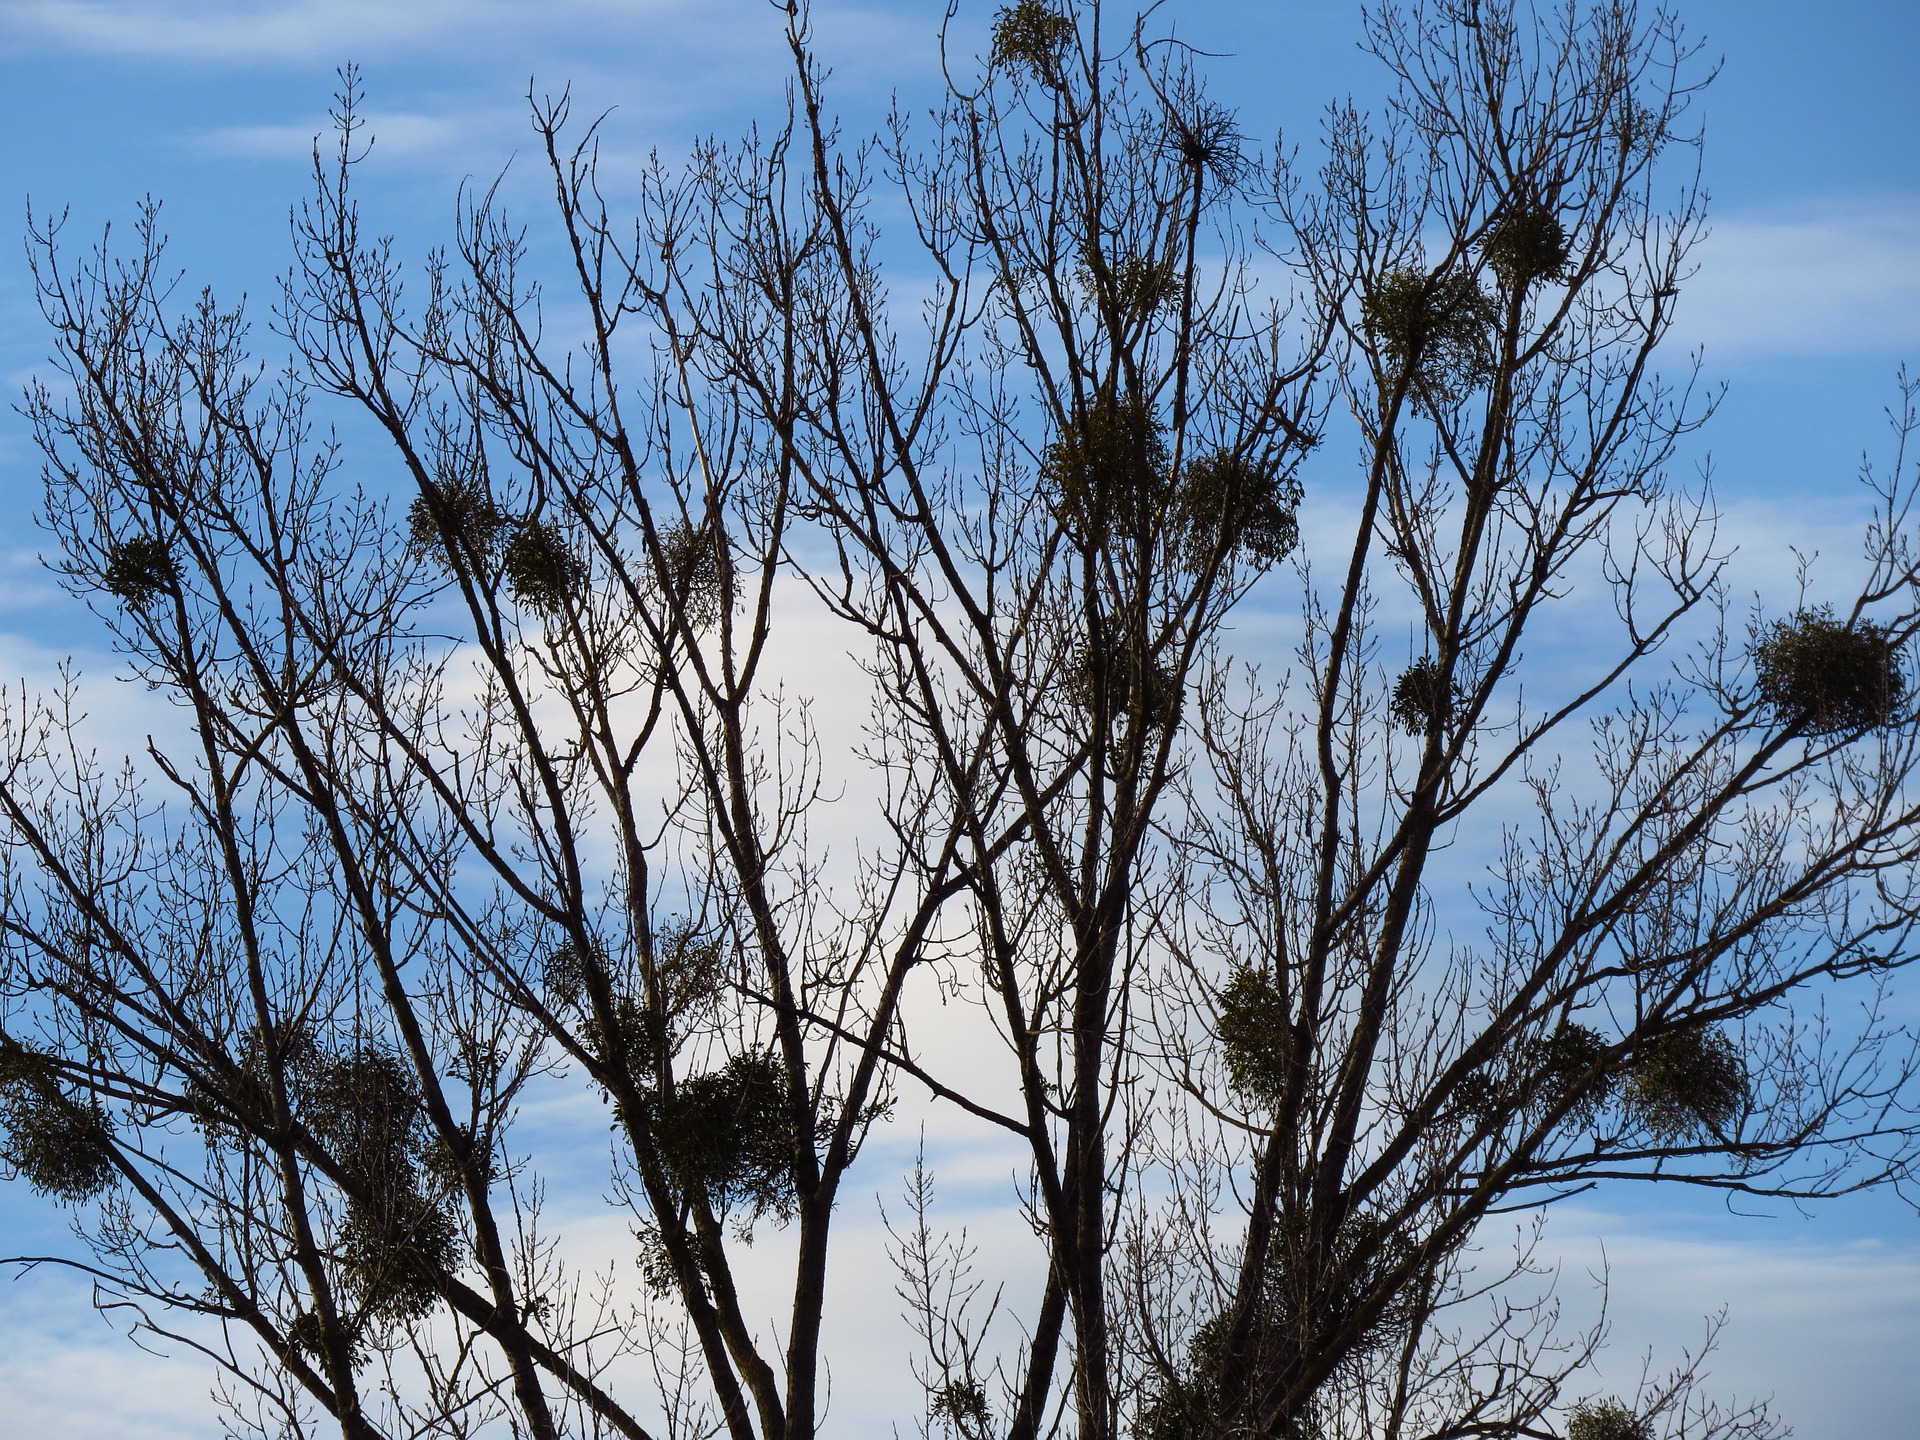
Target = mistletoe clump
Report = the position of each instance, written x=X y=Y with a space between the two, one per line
x=1148 y=695
x=1526 y=246
x=394 y=1255
x=1254 y=1029
x=690 y=969
x=962 y=1407
x=1137 y=285
x=397 y=1238
x=630 y=1038
x=1107 y=467
x=1567 y=1067
x=457 y=517
x=1032 y=36
x=139 y=571
x=1235 y=502
x=1312 y=1296
x=1826 y=676
x=541 y=569
x=1422 y=697
x=61 y=1146
x=1436 y=327
x=1684 y=1081
x=692 y=576
x=1607 y=1420
x=730 y=1135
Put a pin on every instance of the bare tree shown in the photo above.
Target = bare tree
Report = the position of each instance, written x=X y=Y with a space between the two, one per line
x=1290 y=972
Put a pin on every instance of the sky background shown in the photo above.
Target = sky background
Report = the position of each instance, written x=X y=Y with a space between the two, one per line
x=1806 y=303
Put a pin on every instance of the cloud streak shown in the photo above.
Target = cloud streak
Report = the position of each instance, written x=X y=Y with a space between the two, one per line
x=1833 y=278
x=232 y=30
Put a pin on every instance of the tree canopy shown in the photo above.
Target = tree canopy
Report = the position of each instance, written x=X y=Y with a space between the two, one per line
x=1506 y=855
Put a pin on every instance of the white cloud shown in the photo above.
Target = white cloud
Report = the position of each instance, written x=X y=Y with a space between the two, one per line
x=228 y=30
x=65 y=1375
x=1822 y=1326
x=710 y=39
x=396 y=135
x=1831 y=278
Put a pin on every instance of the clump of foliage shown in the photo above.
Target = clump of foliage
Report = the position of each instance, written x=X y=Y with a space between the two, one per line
x=569 y=969
x=458 y=517
x=1607 y=1420
x=1107 y=467
x=396 y=1238
x=1526 y=246
x=1684 y=1081
x=1031 y=36
x=1438 y=327
x=654 y=1263
x=1422 y=697
x=689 y=970
x=541 y=569
x=961 y=1406
x=1136 y=285
x=1308 y=1302
x=1254 y=1026
x=139 y=571
x=1151 y=699
x=629 y=1038
x=692 y=577
x=60 y=1146
x=394 y=1254
x=730 y=1135
x=1179 y=1406
x=308 y=1333
x=1567 y=1067
x=1238 y=504
x=1825 y=676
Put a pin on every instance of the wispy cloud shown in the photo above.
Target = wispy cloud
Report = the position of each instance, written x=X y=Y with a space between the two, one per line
x=1834 y=278
x=66 y=1375
x=296 y=31
x=293 y=30
x=396 y=135
x=1822 y=1326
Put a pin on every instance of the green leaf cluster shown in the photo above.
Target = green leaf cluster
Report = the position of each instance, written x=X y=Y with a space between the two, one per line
x=1150 y=695
x=541 y=569
x=1438 y=327
x=1567 y=1067
x=1107 y=470
x=961 y=1405
x=140 y=570
x=731 y=1135
x=398 y=1236
x=1255 y=1029
x=61 y=1146
x=1136 y=285
x=1526 y=246
x=1826 y=676
x=1233 y=502
x=1686 y=1081
x=457 y=516
x=1607 y=1420
x=1422 y=697
x=692 y=577
x=1031 y=37
x=1307 y=1304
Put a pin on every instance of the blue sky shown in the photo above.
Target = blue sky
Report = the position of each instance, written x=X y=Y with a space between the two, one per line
x=1807 y=300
